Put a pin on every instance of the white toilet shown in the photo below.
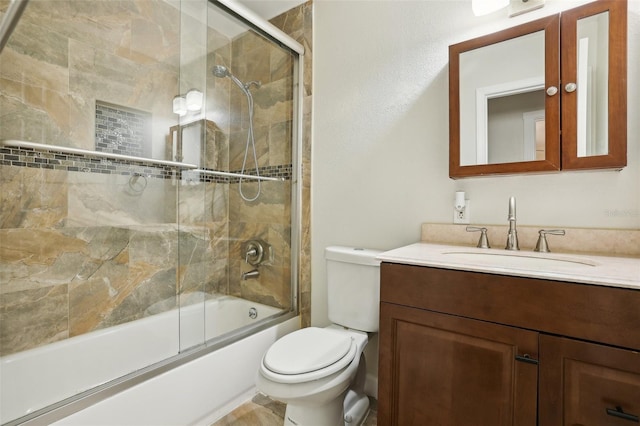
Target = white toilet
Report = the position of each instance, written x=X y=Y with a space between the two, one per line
x=320 y=372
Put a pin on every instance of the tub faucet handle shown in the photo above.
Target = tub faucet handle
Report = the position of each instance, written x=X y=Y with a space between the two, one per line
x=483 y=242
x=542 y=246
x=251 y=252
x=257 y=252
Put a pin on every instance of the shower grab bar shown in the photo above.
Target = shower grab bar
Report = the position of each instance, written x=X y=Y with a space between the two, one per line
x=10 y=20
x=106 y=155
x=241 y=175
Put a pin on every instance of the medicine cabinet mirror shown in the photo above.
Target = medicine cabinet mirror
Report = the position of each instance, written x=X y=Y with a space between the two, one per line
x=543 y=96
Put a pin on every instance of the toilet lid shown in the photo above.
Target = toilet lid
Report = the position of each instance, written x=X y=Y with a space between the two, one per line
x=307 y=350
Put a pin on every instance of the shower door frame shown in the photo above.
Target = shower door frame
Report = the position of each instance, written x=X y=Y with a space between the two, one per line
x=78 y=402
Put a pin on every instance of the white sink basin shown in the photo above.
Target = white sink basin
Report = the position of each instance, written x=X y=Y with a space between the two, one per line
x=576 y=268
x=517 y=260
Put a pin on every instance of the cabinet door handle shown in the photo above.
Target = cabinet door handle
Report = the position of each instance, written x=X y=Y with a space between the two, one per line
x=618 y=412
x=526 y=358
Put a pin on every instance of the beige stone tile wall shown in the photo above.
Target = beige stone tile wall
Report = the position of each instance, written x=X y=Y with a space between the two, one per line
x=79 y=253
x=65 y=55
x=252 y=58
x=78 y=250
x=298 y=23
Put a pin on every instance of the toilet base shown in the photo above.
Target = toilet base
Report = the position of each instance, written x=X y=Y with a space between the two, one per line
x=356 y=408
x=347 y=410
x=330 y=414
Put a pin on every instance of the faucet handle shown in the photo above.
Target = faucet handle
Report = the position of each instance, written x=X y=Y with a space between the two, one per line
x=542 y=246
x=483 y=242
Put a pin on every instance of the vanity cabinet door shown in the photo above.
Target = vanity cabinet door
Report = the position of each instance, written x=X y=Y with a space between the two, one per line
x=594 y=91
x=440 y=369
x=586 y=384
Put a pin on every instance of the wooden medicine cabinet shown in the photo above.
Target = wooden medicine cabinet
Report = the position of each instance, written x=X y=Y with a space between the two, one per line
x=544 y=96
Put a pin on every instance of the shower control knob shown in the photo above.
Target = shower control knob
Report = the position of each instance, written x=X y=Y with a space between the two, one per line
x=552 y=90
x=257 y=252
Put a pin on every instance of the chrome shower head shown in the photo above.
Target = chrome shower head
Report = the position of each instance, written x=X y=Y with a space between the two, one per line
x=221 y=71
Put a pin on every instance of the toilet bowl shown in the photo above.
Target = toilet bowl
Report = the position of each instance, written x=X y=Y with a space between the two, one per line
x=311 y=371
x=320 y=372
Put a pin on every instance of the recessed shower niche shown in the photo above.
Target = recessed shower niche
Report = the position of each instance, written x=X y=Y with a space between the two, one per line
x=121 y=130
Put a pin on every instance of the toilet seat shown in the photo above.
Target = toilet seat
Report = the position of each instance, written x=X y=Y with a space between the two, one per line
x=308 y=354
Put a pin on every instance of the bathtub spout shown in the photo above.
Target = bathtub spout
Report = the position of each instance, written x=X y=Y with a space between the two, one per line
x=254 y=273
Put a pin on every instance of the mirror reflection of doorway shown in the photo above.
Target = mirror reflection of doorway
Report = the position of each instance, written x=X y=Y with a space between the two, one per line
x=515 y=127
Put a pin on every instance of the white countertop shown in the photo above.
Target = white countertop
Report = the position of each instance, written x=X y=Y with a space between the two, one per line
x=578 y=268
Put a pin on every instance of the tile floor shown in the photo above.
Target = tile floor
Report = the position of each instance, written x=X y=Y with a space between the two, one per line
x=263 y=411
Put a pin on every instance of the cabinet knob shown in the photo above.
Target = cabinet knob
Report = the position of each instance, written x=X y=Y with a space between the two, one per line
x=570 y=87
x=552 y=90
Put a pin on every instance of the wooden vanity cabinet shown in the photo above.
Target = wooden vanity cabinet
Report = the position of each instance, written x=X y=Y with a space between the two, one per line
x=588 y=384
x=450 y=370
x=467 y=348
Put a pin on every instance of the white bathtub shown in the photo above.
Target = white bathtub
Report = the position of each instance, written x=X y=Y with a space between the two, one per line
x=35 y=378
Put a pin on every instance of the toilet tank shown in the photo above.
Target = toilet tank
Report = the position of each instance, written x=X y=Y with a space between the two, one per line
x=353 y=287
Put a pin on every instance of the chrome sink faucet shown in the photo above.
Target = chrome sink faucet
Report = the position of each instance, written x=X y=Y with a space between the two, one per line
x=512 y=236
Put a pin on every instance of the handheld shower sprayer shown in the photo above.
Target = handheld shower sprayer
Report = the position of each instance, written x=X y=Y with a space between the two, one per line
x=220 y=71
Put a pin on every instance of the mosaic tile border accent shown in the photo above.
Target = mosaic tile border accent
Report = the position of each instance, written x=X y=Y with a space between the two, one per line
x=55 y=160
x=283 y=171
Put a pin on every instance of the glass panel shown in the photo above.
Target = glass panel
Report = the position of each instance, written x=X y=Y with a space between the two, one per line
x=108 y=266
x=88 y=246
x=249 y=130
x=593 y=85
x=504 y=70
x=193 y=226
